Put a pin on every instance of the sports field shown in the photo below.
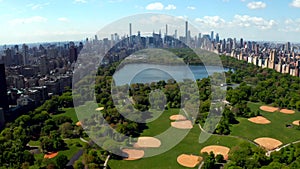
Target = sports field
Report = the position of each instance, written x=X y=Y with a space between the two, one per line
x=277 y=129
x=189 y=145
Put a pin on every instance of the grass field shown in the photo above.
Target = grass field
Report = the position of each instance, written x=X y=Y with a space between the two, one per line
x=276 y=129
x=189 y=145
x=70 y=112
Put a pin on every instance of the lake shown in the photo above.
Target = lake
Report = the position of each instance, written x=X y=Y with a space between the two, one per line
x=147 y=73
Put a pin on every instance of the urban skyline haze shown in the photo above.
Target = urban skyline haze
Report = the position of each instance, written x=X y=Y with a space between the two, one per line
x=53 y=20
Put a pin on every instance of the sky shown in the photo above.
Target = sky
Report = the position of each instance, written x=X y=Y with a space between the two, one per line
x=27 y=21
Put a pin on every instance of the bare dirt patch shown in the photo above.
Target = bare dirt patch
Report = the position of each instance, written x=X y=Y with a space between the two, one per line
x=51 y=155
x=185 y=124
x=133 y=154
x=268 y=143
x=296 y=122
x=147 y=142
x=259 y=120
x=217 y=150
x=269 y=108
x=78 y=123
x=177 y=117
x=287 y=111
x=189 y=160
x=100 y=109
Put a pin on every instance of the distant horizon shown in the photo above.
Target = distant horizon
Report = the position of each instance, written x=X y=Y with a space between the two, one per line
x=89 y=38
x=34 y=21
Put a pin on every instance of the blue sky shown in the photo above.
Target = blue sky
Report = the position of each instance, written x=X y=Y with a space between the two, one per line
x=63 y=20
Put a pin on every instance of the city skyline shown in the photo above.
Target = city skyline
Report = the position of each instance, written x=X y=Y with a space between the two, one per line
x=36 y=21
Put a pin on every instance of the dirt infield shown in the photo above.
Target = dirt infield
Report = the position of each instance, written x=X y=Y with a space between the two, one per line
x=186 y=124
x=217 y=150
x=287 y=111
x=78 y=123
x=189 y=160
x=147 y=142
x=133 y=154
x=296 y=122
x=269 y=108
x=100 y=109
x=268 y=143
x=259 y=120
x=50 y=155
x=177 y=117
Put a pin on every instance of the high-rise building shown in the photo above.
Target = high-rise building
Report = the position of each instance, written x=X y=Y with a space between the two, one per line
x=3 y=88
x=217 y=38
x=241 y=43
x=166 y=29
x=186 y=32
x=212 y=35
x=25 y=54
x=130 y=30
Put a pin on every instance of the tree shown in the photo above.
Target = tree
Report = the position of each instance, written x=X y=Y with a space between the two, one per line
x=66 y=130
x=210 y=161
x=61 y=161
x=219 y=158
x=78 y=165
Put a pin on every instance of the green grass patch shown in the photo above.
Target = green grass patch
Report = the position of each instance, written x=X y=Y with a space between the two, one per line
x=168 y=160
x=34 y=143
x=69 y=112
x=276 y=129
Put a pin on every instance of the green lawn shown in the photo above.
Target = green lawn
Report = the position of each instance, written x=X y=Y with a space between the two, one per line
x=189 y=145
x=70 y=112
x=276 y=129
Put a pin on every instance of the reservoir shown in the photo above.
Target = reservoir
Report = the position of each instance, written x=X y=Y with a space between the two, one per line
x=147 y=73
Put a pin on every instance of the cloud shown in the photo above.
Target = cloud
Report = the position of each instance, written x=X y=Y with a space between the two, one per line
x=155 y=6
x=30 y=20
x=191 y=7
x=295 y=3
x=256 y=5
x=291 y=25
x=63 y=19
x=248 y=21
x=80 y=1
x=37 y=6
x=211 y=21
x=170 y=7
x=243 y=21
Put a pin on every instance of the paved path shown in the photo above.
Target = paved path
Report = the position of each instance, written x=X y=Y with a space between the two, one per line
x=75 y=157
x=106 y=161
x=268 y=153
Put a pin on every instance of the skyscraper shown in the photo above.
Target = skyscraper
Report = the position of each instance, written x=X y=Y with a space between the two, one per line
x=186 y=33
x=166 y=29
x=3 y=88
x=217 y=38
x=212 y=35
x=130 y=30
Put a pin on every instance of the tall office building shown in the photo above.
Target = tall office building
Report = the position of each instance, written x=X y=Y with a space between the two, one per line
x=241 y=43
x=3 y=88
x=186 y=33
x=25 y=54
x=166 y=29
x=212 y=35
x=217 y=38
x=130 y=30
